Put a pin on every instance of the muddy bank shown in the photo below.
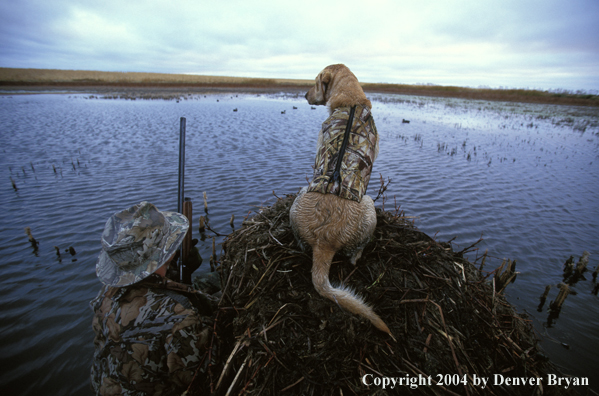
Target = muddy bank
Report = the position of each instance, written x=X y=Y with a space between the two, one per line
x=453 y=326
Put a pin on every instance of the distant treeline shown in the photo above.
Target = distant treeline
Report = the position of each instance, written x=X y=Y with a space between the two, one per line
x=65 y=78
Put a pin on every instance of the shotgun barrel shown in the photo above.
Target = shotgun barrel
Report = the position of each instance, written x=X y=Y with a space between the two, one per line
x=181 y=187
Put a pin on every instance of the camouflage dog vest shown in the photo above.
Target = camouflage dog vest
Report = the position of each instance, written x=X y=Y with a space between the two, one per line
x=356 y=162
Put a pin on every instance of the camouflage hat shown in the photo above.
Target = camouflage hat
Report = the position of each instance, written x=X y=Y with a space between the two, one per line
x=138 y=241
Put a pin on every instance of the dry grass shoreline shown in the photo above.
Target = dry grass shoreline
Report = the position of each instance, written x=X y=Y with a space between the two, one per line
x=115 y=82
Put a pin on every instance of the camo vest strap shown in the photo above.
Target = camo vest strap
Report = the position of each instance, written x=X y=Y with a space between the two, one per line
x=357 y=161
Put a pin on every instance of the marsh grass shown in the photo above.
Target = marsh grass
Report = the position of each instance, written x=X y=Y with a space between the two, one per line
x=62 y=78
x=9 y=76
x=505 y=95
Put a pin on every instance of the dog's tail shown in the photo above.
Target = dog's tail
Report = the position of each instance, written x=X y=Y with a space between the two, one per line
x=343 y=296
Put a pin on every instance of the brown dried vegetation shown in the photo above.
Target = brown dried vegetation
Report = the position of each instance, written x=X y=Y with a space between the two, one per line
x=113 y=82
x=277 y=336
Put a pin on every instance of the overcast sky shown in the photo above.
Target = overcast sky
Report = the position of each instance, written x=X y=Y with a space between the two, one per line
x=546 y=44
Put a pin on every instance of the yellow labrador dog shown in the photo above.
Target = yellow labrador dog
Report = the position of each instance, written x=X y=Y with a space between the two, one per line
x=333 y=213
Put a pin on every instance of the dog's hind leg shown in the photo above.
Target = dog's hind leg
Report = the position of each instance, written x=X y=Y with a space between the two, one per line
x=366 y=229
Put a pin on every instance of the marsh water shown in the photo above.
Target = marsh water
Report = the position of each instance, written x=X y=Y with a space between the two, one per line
x=523 y=177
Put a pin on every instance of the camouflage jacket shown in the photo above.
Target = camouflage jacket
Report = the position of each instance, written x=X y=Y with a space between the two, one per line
x=360 y=153
x=150 y=338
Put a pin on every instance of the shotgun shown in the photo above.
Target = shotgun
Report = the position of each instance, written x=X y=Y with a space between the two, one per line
x=181 y=187
x=189 y=256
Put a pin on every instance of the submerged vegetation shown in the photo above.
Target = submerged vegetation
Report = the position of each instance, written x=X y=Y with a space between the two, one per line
x=113 y=81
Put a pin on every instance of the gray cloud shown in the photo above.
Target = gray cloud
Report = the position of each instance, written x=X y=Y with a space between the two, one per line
x=541 y=44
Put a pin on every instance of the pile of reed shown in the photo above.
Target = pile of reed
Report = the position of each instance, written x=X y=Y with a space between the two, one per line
x=277 y=336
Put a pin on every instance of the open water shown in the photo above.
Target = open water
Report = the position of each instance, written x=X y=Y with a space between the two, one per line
x=523 y=177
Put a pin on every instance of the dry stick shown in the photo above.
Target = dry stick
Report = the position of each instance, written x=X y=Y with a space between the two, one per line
x=275 y=315
x=469 y=247
x=251 y=378
x=227 y=364
x=493 y=299
x=455 y=359
x=275 y=238
x=226 y=288
x=213 y=256
x=270 y=327
x=272 y=354
x=382 y=188
x=482 y=263
x=546 y=292
x=427 y=343
x=274 y=271
x=34 y=242
x=508 y=281
x=512 y=343
x=205 y=203
x=561 y=297
x=292 y=385
x=214 y=232
x=498 y=271
x=569 y=267
x=462 y=268
x=350 y=274
x=214 y=334
x=582 y=263
x=237 y=376
x=544 y=298
x=262 y=277
x=214 y=249
x=367 y=366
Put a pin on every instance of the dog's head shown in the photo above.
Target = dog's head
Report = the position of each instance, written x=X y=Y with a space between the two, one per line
x=336 y=86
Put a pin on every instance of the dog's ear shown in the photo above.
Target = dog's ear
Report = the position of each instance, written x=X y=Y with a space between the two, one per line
x=325 y=79
x=322 y=83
